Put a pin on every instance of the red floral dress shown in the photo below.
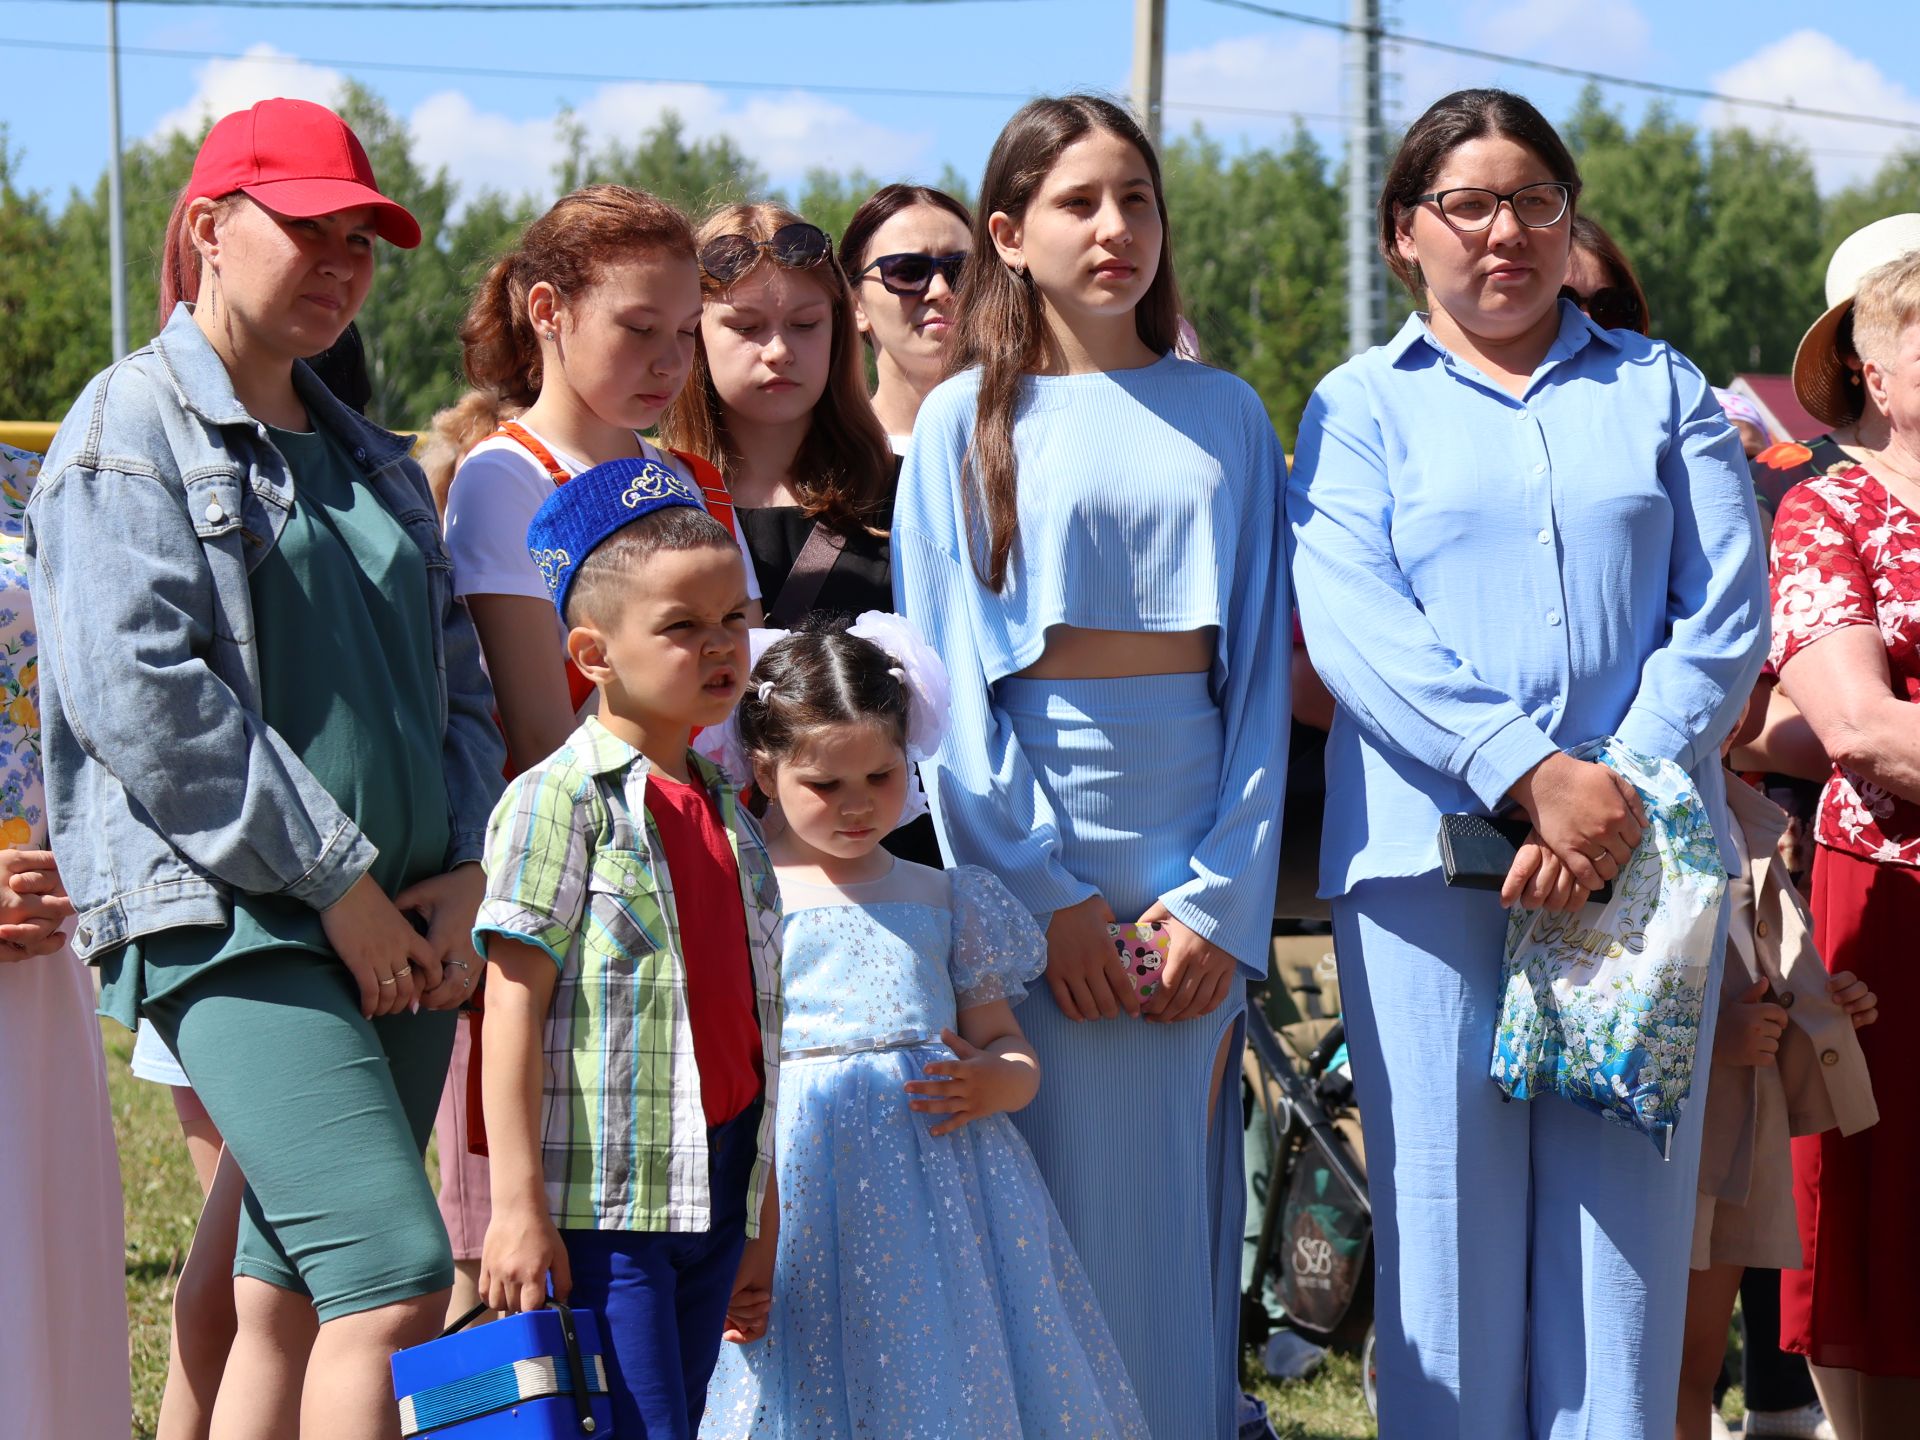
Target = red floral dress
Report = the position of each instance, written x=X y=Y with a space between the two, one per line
x=1847 y=552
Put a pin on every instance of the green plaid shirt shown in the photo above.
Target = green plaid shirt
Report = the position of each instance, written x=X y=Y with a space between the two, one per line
x=574 y=866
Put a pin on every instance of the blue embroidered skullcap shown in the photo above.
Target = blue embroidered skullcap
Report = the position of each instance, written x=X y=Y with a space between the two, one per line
x=590 y=507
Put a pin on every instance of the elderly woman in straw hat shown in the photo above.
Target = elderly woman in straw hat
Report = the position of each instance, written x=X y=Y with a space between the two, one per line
x=1846 y=647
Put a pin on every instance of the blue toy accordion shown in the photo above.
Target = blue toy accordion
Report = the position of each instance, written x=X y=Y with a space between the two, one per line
x=535 y=1376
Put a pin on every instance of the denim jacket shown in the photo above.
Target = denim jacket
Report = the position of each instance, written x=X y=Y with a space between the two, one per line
x=166 y=791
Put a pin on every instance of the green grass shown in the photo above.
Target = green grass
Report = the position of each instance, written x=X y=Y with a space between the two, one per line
x=1325 y=1406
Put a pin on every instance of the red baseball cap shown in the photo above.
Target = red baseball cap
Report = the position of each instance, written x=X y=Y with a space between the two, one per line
x=300 y=159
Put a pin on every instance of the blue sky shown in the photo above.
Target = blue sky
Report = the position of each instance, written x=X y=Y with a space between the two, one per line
x=768 y=79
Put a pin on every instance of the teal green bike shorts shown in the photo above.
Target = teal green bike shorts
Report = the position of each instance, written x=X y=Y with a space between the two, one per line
x=328 y=1115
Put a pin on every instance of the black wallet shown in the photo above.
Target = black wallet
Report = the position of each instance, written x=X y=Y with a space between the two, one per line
x=1477 y=851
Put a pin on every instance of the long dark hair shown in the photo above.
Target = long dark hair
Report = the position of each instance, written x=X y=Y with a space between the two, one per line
x=1591 y=236
x=844 y=470
x=880 y=207
x=1450 y=122
x=999 y=323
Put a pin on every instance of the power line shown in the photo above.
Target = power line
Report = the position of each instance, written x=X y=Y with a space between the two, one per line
x=1395 y=37
x=579 y=77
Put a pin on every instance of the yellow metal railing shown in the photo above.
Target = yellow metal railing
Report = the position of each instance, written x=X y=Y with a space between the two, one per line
x=34 y=435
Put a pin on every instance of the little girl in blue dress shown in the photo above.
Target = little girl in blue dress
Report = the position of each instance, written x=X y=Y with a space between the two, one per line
x=923 y=1283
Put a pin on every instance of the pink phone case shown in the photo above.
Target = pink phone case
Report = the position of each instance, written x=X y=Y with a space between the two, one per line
x=1143 y=950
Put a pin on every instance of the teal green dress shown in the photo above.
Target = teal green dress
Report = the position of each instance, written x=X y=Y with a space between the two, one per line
x=347 y=679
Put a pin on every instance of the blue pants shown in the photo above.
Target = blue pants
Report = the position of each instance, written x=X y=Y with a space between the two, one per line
x=662 y=1299
x=1531 y=1278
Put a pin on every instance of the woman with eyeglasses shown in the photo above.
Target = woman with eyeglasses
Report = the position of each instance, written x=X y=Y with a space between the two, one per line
x=1514 y=531
x=1600 y=280
x=904 y=250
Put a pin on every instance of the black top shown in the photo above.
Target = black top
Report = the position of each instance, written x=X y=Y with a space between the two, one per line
x=861 y=579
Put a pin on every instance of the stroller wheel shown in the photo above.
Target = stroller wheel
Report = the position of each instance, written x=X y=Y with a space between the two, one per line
x=1370 y=1375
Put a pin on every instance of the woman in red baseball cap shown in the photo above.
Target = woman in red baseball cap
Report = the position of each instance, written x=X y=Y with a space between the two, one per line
x=270 y=758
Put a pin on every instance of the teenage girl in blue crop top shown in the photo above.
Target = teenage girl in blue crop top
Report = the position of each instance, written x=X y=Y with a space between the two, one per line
x=1088 y=529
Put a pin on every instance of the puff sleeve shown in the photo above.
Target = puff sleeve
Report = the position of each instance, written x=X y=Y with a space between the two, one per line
x=997 y=946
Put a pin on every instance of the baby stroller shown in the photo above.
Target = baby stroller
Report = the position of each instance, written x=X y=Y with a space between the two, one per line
x=1313 y=1259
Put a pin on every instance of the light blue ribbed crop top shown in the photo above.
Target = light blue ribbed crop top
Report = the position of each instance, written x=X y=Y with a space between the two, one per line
x=1149 y=500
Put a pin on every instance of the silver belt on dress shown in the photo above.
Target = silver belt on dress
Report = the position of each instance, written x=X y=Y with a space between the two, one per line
x=899 y=1040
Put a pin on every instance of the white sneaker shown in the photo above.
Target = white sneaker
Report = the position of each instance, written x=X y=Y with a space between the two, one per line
x=1809 y=1422
x=1720 y=1430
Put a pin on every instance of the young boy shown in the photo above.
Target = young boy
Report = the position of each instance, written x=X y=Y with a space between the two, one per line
x=632 y=934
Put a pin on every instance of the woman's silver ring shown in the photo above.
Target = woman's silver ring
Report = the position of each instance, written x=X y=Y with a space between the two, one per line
x=387 y=980
x=403 y=970
x=458 y=964
x=1601 y=855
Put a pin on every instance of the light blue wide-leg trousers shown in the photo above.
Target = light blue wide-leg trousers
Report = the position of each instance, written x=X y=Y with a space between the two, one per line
x=1531 y=1258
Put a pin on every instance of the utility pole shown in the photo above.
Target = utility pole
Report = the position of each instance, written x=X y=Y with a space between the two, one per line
x=1149 y=53
x=116 y=210
x=1366 y=276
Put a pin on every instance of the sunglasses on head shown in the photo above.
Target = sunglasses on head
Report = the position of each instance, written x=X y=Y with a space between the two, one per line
x=912 y=272
x=1611 y=307
x=798 y=246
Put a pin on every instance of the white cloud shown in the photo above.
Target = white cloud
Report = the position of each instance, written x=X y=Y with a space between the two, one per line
x=786 y=134
x=1295 y=69
x=1814 y=69
x=1590 y=33
x=261 y=73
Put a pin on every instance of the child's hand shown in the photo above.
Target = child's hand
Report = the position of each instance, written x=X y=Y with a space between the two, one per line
x=521 y=1251
x=975 y=1085
x=752 y=1298
x=1852 y=995
x=1750 y=1031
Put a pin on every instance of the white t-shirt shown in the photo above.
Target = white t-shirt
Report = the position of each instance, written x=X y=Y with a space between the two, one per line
x=492 y=500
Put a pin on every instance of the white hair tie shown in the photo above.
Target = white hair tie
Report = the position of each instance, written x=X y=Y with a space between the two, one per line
x=919 y=671
x=766 y=689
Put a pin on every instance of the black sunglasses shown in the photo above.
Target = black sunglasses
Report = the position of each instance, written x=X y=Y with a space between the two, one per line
x=798 y=246
x=912 y=272
x=1611 y=307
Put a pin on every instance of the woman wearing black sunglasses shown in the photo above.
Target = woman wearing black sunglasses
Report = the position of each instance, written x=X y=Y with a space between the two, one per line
x=903 y=250
x=1601 y=281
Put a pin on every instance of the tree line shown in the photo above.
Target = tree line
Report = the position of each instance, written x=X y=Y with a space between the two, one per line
x=1728 y=232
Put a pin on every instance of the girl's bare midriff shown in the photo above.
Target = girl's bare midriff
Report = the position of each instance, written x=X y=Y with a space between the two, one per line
x=1076 y=654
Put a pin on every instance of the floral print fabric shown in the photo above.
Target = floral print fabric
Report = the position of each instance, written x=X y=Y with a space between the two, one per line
x=1846 y=552
x=1603 y=1007
x=22 y=792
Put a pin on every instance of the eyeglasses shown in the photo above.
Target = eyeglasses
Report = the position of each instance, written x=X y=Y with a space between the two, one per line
x=912 y=272
x=1611 y=307
x=1469 y=210
x=798 y=246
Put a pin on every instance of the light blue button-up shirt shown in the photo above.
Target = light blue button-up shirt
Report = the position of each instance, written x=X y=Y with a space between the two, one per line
x=1484 y=580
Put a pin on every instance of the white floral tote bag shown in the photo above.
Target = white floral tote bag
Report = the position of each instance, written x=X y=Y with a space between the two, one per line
x=1602 y=1007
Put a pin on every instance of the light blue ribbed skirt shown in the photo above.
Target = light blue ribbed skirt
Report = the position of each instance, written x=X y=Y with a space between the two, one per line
x=1150 y=1189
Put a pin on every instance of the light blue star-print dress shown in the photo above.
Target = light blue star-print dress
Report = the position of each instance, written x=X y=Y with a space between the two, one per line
x=925 y=1289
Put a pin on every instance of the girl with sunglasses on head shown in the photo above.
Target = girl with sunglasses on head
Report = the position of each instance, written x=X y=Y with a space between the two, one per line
x=1514 y=531
x=904 y=250
x=1088 y=527
x=778 y=404
x=270 y=759
x=588 y=328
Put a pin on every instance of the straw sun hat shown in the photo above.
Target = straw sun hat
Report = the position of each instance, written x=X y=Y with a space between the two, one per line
x=1822 y=381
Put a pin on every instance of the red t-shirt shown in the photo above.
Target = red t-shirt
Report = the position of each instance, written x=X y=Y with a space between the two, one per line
x=713 y=943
